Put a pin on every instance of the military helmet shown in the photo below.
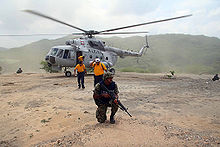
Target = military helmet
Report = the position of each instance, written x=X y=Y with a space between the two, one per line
x=107 y=75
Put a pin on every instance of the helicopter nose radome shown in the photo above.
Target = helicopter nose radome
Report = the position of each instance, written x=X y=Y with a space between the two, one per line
x=52 y=60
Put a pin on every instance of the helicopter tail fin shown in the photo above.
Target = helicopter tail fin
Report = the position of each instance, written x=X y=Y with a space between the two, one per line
x=143 y=48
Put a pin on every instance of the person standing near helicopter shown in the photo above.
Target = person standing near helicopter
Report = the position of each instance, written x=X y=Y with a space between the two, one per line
x=99 y=69
x=81 y=71
x=81 y=58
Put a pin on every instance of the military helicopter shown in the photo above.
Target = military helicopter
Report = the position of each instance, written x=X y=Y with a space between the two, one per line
x=66 y=56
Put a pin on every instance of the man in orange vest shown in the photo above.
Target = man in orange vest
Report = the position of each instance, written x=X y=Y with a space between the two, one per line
x=99 y=69
x=81 y=71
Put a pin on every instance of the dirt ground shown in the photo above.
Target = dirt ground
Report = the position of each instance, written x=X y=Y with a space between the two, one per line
x=48 y=110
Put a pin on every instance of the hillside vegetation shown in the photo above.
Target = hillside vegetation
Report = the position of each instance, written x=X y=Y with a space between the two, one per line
x=178 y=52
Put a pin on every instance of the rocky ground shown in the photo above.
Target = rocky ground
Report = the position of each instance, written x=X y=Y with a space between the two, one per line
x=49 y=110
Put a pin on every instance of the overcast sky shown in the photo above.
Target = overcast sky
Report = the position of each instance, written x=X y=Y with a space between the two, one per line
x=106 y=14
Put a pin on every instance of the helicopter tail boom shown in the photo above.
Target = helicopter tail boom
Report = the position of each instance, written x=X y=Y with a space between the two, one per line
x=123 y=53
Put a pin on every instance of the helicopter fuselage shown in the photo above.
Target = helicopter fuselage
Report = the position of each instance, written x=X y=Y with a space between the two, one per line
x=90 y=47
x=67 y=55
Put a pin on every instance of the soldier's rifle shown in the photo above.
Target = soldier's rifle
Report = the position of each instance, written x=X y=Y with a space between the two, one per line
x=113 y=97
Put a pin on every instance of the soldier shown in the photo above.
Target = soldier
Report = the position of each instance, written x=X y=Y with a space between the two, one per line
x=19 y=70
x=81 y=71
x=215 y=78
x=99 y=69
x=103 y=100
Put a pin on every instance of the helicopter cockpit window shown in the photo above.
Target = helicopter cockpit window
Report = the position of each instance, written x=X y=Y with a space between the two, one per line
x=60 y=53
x=54 y=51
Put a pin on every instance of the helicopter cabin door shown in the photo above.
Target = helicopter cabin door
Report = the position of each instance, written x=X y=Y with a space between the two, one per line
x=69 y=58
x=78 y=53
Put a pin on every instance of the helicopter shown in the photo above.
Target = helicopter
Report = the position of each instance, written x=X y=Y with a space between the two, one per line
x=66 y=56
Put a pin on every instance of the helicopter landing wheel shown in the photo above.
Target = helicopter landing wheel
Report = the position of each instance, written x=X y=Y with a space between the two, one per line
x=68 y=74
x=112 y=70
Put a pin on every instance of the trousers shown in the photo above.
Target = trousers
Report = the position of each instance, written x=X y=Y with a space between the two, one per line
x=101 y=111
x=97 y=79
x=80 y=78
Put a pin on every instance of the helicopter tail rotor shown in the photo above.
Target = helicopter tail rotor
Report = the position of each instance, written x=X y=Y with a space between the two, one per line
x=146 y=41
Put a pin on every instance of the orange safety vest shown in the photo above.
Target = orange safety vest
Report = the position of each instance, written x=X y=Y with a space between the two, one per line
x=80 y=68
x=99 y=69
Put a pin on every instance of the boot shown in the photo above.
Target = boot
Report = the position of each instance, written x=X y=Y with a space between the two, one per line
x=112 y=120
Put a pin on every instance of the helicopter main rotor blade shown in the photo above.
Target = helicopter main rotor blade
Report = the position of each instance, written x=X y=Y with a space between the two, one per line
x=78 y=34
x=168 y=19
x=2 y=35
x=48 y=17
x=6 y=35
x=107 y=33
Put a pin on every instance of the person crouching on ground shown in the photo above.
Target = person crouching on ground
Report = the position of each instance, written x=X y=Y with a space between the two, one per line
x=103 y=100
x=99 y=69
x=81 y=71
x=215 y=78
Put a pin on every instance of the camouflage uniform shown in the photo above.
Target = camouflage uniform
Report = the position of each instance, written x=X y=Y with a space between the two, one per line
x=104 y=103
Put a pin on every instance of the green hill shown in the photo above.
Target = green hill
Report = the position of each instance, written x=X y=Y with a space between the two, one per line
x=182 y=53
x=178 y=52
x=3 y=49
